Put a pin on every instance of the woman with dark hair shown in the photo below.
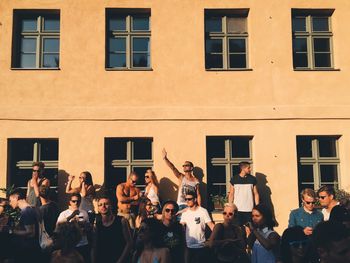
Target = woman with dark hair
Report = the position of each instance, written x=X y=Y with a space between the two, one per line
x=86 y=189
x=150 y=249
x=151 y=190
x=294 y=245
x=262 y=239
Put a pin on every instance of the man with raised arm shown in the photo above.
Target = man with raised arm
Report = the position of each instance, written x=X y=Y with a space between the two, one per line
x=187 y=181
x=128 y=196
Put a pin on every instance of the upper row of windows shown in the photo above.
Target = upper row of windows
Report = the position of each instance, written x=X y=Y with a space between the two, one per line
x=36 y=39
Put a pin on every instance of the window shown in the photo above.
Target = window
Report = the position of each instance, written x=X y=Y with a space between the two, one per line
x=318 y=161
x=128 y=39
x=226 y=39
x=36 y=39
x=312 y=39
x=124 y=155
x=23 y=152
x=223 y=156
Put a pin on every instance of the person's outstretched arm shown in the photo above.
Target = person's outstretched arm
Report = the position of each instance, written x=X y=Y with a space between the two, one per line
x=171 y=165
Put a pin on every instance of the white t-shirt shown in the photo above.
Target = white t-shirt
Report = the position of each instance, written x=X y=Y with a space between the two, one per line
x=83 y=216
x=326 y=214
x=195 y=226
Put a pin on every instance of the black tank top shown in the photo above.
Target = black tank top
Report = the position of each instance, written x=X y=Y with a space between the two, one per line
x=110 y=240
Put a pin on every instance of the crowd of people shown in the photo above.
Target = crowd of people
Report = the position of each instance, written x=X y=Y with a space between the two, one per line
x=142 y=229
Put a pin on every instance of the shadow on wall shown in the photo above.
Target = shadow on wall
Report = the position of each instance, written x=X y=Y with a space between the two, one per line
x=265 y=193
x=199 y=174
x=168 y=189
x=62 y=183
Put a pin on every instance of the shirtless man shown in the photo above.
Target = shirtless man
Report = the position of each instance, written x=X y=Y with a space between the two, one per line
x=128 y=195
x=187 y=181
x=35 y=182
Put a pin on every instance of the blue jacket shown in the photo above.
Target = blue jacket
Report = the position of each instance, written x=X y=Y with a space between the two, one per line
x=299 y=217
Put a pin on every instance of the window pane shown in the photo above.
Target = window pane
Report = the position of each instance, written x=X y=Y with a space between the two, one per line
x=304 y=147
x=50 y=61
x=216 y=147
x=116 y=149
x=321 y=45
x=140 y=23
x=52 y=24
x=240 y=148
x=304 y=186
x=300 y=60
x=117 y=44
x=218 y=174
x=327 y=147
x=140 y=44
x=27 y=61
x=236 y=24
x=320 y=24
x=117 y=23
x=306 y=173
x=213 y=24
x=117 y=60
x=238 y=61
x=213 y=61
x=213 y=45
x=237 y=45
x=140 y=60
x=29 y=25
x=49 y=150
x=299 y=24
x=329 y=173
x=28 y=45
x=116 y=176
x=143 y=149
x=51 y=45
x=322 y=60
x=299 y=45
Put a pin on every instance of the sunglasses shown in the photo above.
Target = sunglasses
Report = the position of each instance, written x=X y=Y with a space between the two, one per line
x=308 y=203
x=300 y=243
x=36 y=171
x=186 y=165
x=188 y=199
x=103 y=204
x=168 y=210
x=322 y=196
x=225 y=213
x=147 y=176
x=133 y=182
x=74 y=201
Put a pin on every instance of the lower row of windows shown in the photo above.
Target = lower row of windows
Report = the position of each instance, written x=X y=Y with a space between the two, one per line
x=318 y=160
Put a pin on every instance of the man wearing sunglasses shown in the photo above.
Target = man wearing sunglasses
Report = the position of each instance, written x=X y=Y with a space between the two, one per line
x=195 y=219
x=306 y=216
x=73 y=214
x=35 y=182
x=326 y=196
x=172 y=232
x=187 y=181
x=128 y=196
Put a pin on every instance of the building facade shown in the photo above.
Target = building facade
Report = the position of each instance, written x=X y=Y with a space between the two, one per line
x=104 y=86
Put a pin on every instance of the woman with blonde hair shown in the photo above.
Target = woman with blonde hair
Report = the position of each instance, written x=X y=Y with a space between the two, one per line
x=152 y=188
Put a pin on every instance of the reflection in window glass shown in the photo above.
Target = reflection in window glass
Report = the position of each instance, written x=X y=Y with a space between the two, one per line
x=140 y=60
x=213 y=61
x=140 y=44
x=321 y=44
x=322 y=60
x=28 y=61
x=117 y=60
x=236 y=24
x=236 y=45
x=51 y=61
x=117 y=44
x=300 y=45
x=28 y=45
x=117 y=23
x=213 y=45
x=299 y=24
x=51 y=45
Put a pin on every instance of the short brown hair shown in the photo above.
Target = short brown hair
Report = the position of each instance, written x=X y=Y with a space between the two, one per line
x=40 y=164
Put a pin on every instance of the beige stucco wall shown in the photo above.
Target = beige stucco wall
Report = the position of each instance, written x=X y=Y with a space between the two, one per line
x=178 y=103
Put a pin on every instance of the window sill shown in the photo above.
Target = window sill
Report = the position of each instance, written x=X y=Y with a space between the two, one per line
x=316 y=69
x=129 y=69
x=238 y=69
x=35 y=68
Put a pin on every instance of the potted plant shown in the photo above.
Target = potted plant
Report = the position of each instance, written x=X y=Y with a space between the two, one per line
x=218 y=201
